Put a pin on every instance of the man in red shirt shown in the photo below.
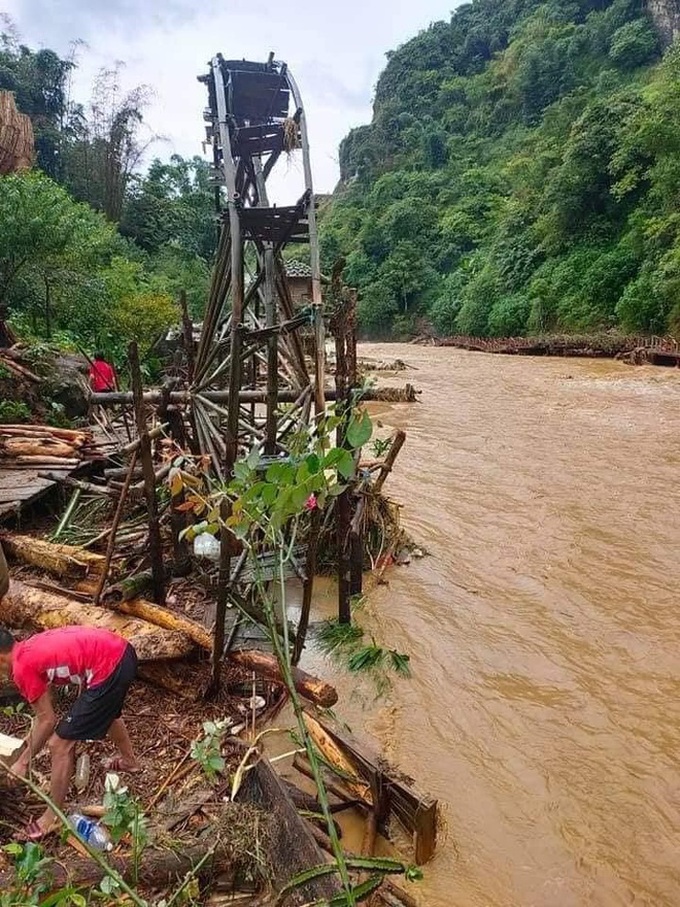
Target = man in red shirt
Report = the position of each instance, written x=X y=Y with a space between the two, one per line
x=102 y=375
x=103 y=665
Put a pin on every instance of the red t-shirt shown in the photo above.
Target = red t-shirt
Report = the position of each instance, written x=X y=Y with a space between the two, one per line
x=102 y=376
x=86 y=656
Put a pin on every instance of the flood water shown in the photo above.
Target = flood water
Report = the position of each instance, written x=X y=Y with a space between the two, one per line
x=543 y=627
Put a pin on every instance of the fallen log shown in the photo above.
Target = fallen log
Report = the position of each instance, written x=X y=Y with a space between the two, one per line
x=312 y=688
x=41 y=460
x=25 y=605
x=406 y=394
x=68 y=434
x=162 y=617
x=36 y=447
x=128 y=588
x=60 y=560
x=160 y=674
x=20 y=370
x=158 y=868
x=292 y=846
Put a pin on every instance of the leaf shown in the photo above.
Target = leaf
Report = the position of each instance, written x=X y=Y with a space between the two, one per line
x=269 y=494
x=345 y=465
x=359 y=430
x=241 y=470
x=175 y=482
x=307 y=875
x=359 y=892
x=400 y=663
x=378 y=864
x=253 y=458
x=313 y=463
x=185 y=507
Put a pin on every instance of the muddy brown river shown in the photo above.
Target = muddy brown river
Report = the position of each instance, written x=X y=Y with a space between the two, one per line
x=543 y=629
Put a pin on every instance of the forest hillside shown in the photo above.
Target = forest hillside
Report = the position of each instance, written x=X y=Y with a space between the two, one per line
x=521 y=173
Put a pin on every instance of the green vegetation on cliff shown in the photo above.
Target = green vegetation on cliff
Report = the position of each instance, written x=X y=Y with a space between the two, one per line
x=521 y=173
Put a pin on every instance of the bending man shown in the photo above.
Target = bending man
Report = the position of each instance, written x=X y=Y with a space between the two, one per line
x=103 y=665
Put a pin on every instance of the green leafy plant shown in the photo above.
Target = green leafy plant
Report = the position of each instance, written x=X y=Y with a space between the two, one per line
x=207 y=750
x=12 y=411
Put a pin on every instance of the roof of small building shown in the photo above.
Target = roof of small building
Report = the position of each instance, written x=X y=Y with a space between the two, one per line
x=295 y=268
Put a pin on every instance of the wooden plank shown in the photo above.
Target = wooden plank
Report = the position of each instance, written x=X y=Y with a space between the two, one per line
x=415 y=810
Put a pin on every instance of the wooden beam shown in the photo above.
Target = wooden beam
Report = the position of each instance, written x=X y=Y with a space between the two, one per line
x=155 y=544
x=416 y=811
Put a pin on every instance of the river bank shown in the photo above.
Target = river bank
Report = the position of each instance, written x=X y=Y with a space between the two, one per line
x=543 y=633
x=635 y=350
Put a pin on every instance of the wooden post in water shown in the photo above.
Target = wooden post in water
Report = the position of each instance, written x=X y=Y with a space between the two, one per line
x=308 y=587
x=155 y=546
x=344 y=500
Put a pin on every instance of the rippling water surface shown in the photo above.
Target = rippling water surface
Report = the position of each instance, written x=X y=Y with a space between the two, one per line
x=543 y=629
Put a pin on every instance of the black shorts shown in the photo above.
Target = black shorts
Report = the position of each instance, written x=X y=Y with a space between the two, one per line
x=95 y=710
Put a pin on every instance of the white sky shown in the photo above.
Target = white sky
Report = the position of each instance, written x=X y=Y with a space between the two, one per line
x=335 y=49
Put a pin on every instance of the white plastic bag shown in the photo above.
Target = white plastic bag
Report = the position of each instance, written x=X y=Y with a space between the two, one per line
x=206 y=545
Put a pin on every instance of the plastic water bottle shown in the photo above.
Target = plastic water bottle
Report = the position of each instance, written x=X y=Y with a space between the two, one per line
x=90 y=832
x=82 y=772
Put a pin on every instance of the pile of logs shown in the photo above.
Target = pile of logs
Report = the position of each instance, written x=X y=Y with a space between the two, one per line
x=44 y=445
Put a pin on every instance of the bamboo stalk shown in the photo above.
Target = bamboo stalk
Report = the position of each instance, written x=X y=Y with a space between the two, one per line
x=310 y=570
x=155 y=545
x=386 y=468
x=68 y=513
x=111 y=546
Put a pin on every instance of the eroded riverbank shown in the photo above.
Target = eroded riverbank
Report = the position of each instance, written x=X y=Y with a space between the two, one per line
x=544 y=632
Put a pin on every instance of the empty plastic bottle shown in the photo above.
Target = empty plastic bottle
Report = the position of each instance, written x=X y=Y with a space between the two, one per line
x=82 y=772
x=90 y=832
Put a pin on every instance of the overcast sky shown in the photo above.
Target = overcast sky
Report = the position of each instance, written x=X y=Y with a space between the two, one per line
x=335 y=48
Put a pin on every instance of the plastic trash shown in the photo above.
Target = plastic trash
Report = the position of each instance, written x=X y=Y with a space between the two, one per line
x=206 y=545
x=82 y=772
x=91 y=832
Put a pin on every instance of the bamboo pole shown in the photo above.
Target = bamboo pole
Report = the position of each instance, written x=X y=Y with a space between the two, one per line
x=68 y=513
x=315 y=262
x=110 y=548
x=235 y=373
x=155 y=545
x=188 y=335
x=308 y=586
x=386 y=468
x=286 y=395
x=356 y=545
x=343 y=505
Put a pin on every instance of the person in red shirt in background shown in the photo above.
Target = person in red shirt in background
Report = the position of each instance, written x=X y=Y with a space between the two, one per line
x=102 y=375
x=102 y=378
x=102 y=665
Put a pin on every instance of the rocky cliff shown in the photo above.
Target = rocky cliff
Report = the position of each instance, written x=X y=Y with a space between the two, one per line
x=666 y=16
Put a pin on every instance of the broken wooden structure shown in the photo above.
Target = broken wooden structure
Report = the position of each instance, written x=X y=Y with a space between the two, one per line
x=248 y=382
